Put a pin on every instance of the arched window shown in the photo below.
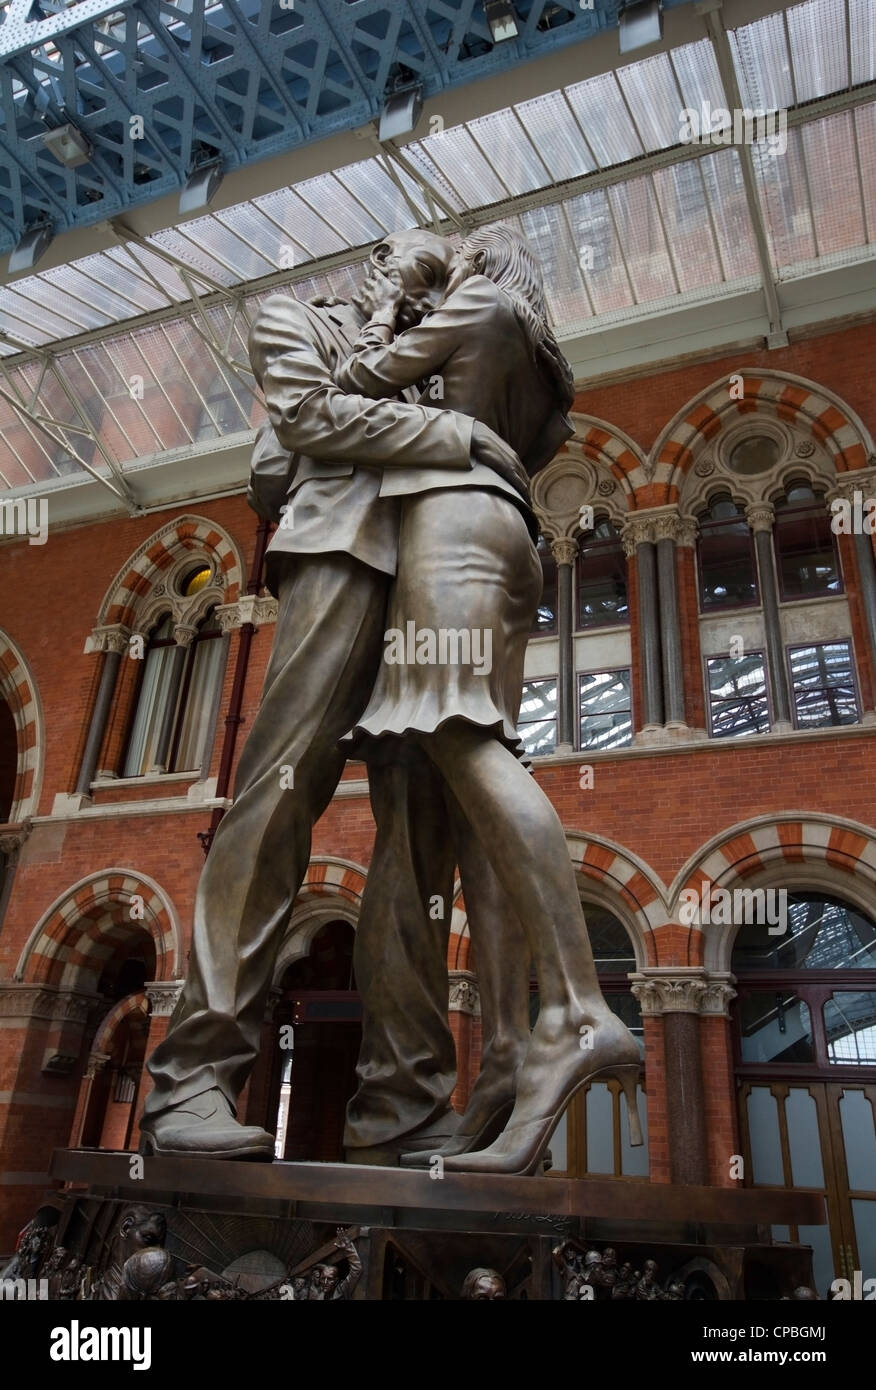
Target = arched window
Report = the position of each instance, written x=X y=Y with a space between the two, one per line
x=174 y=699
x=602 y=578
x=807 y=562
x=726 y=559
x=805 y=1029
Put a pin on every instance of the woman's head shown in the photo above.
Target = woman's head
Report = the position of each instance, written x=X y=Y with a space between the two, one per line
x=505 y=257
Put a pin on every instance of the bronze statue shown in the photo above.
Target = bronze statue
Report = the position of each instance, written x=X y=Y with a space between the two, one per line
x=324 y=1283
x=323 y=454
x=482 y=1285
x=403 y=516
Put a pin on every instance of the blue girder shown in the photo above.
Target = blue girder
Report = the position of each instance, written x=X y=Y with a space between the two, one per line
x=235 y=80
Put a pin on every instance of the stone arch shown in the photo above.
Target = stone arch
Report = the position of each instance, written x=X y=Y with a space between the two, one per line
x=332 y=890
x=132 y=1004
x=83 y=928
x=794 y=849
x=600 y=466
x=609 y=875
x=19 y=690
x=134 y=597
x=780 y=395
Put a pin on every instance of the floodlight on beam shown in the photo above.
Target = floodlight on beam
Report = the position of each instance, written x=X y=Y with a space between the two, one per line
x=640 y=23
x=68 y=145
x=502 y=19
x=400 y=113
x=201 y=187
x=31 y=245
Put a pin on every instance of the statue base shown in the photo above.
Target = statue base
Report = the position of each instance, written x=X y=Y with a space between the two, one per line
x=187 y=1228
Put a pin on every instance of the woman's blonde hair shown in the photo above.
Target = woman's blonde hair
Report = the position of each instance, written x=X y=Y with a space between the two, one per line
x=503 y=256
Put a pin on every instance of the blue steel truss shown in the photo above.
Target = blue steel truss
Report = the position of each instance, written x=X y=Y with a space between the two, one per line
x=159 y=87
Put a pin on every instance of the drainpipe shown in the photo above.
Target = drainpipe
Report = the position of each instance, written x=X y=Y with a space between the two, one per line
x=234 y=719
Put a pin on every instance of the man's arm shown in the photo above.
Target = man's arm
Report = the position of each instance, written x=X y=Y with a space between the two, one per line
x=310 y=414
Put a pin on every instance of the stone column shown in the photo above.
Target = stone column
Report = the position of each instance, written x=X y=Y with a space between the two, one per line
x=671 y=530
x=113 y=642
x=91 y=1092
x=564 y=552
x=11 y=841
x=863 y=481
x=162 y=996
x=760 y=517
x=675 y=995
x=638 y=541
x=464 y=1016
x=184 y=636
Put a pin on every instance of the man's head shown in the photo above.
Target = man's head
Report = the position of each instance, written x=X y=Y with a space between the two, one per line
x=325 y=1277
x=483 y=1285
x=422 y=262
x=141 y=1228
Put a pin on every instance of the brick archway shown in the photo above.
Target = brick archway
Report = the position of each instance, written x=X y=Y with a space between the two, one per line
x=156 y=555
x=80 y=932
x=18 y=690
x=790 y=398
x=795 y=850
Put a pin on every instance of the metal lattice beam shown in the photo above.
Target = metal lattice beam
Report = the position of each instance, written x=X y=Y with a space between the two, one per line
x=235 y=80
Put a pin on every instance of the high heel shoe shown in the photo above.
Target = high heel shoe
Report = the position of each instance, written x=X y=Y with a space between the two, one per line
x=463 y=1142
x=519 y=1149
x=547 y=1083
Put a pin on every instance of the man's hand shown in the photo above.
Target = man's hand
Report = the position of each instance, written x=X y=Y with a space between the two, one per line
x=488 y=448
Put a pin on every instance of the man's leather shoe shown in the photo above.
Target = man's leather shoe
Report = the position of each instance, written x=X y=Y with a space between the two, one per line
x=204 y=1127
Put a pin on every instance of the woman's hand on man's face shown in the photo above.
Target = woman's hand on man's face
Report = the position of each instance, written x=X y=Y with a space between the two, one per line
x=382 y=295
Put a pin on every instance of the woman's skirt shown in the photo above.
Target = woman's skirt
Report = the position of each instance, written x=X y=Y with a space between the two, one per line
x=460 y=615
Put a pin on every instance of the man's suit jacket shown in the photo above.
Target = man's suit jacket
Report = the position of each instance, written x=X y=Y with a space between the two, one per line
x=325 y=451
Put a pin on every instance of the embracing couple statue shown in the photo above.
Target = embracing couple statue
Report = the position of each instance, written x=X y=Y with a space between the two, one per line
x=402 y=430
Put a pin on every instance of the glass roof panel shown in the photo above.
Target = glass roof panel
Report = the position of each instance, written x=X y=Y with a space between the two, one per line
x=763 y=68
x=186 y=251
x=216 y=235
x=555 y=131
x=829 y=148
x=471 y=174
x=781 y=184
x=865 y=129
x=92 y=283
x=681 y=195
x=862 y=17
x=549 y=231
x=819 y=48
x=355 y=222
x=509 y=151
x=604 y=118
x=135 y=434
x=369 y=182
x=20 y=320
x=139 y=259
x=641 y=236
x=654 y=100
x=39 y=294
x=722 y=175
x=434 y=174
x=698 y=77
x=596 y=241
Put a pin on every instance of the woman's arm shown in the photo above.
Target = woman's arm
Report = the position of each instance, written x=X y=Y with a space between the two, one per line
x=379 y=367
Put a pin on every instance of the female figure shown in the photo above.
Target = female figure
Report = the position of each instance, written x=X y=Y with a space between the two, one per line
x=468 y=568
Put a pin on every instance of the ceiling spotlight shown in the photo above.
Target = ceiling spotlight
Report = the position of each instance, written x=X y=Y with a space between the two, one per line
x=68 y=145
x=30 y=246
x=502 y=20
x=640 y=23
x=401 y=112
x=201 y=187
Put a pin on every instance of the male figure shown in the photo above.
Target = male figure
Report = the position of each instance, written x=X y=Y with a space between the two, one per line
x=330 y=569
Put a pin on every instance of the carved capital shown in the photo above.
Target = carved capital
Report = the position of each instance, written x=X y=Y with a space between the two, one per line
x=636 y=531
x=564 y=550
x=113 y=638
x=664 y=990
x=861 y=480
x=258 y=609
x=465 y=997
x=184 y=635
x=97 y=1062
x=162 y=996
x=12 y=837
x=49 y=1005
x=760 y=516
